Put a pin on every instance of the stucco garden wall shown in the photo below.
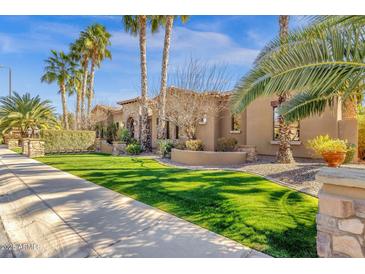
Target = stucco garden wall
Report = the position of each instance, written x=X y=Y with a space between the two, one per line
x=208 y=158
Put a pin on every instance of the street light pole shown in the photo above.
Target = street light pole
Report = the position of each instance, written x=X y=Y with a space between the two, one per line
x=9 y=82
x=9 y=68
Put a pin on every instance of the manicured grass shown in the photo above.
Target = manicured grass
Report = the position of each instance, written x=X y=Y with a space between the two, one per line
x=246 y=208
x=17 y=150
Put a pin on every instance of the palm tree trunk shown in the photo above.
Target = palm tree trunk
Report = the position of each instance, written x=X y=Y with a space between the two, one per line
x=161 y=132
x=285 y=155
x=146 y=146
x=83 y=91
x=91 y=89
x=78 y=109
x=64 y=106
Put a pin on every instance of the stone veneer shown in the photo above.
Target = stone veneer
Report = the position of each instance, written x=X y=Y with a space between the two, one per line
x=33 y=148
x=13 y=143
x=341 y=216
x=251 y=152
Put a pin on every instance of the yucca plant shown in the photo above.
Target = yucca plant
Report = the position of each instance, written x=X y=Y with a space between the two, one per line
x=321 y=62
x=24 y=112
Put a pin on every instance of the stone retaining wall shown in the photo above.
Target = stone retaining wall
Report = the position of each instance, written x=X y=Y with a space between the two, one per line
x=341 y=217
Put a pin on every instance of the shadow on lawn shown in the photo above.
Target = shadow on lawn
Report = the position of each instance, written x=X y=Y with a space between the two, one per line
x=206 y=203
x=229 y=203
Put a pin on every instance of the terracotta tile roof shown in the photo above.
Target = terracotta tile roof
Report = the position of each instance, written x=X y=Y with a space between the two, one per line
x=128 y=101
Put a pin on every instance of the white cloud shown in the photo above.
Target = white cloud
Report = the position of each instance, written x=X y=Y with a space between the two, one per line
x=212 y=47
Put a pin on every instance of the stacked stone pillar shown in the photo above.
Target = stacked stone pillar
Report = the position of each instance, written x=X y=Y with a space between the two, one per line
x=33 y=147
x=341 y=216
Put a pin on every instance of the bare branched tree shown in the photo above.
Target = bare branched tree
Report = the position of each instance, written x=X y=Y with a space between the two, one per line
x=197 y=91
x=201 y=76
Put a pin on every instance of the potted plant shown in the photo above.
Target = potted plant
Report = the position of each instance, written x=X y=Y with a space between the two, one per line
x=333 y=151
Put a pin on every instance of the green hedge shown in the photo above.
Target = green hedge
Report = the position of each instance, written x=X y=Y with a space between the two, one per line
x=68 y=140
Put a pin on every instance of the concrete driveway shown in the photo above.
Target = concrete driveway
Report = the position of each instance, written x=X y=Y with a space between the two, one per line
x=45 y=212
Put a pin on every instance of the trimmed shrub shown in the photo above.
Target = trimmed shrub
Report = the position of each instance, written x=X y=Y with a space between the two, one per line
x=361 y=144
x=226 y=144
x=195 y=145
x=134 y=149
x=165 y=147
x=68 y=140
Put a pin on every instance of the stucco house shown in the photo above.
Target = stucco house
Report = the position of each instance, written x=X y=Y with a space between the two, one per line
x=256 y=126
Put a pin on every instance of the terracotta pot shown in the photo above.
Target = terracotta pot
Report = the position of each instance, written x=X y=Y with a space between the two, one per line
x=334 y=159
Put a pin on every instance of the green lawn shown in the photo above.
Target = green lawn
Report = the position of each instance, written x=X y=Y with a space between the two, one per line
x=17 y=150
x=246 y=208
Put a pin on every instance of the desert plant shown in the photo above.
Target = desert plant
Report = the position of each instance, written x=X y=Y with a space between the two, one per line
x=324 y=144
x=165 y=147
x=226 y=144
x=24 y=112
x=195 y=145
x=350 y=153
x=124 y=135
x=134 y=148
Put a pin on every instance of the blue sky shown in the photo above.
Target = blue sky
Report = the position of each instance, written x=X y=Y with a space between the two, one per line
x=25 y=42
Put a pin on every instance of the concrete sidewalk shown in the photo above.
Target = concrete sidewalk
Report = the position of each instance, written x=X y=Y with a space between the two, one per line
x=46 y=212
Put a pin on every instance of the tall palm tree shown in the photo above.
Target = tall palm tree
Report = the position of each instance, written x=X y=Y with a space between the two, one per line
x=168 y=21
x=285 y=154
x=137 y=25
x=97 y=41
x=26 y=112
x=323 y=61
x=80 y=53
x=75 y=87
x=243 y=93
x=59 y=68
